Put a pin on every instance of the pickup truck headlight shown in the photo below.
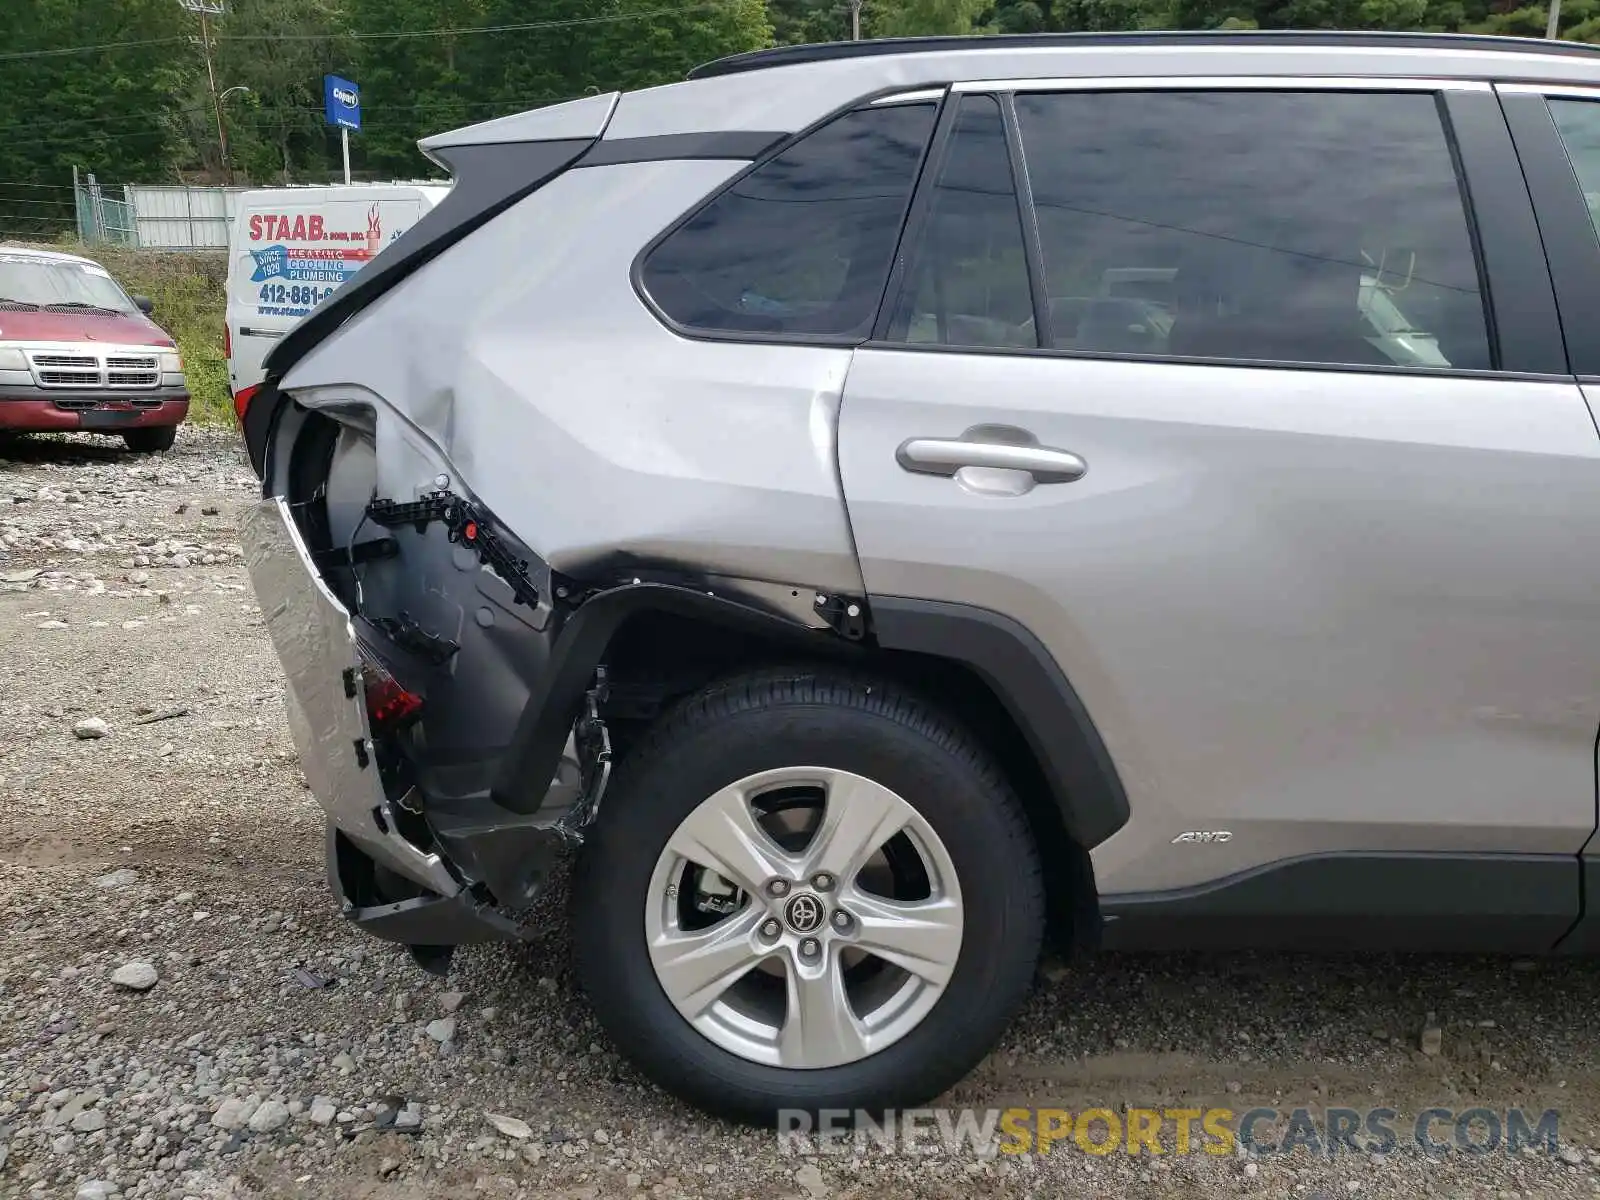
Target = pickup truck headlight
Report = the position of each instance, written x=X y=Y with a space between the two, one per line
x=171 y=363
x=12 y=359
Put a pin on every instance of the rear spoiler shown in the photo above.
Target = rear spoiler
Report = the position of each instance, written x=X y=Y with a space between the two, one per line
x=494 y=165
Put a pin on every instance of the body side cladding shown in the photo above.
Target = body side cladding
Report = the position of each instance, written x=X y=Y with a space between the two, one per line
x=1584 y=936
x=557 y=697
x=1480 y=903
x=1036 y=694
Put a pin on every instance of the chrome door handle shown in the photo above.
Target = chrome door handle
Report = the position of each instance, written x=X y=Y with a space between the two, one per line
x=946 y=456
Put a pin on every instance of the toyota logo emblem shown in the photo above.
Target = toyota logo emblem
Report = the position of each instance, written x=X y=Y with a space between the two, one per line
x=804 y=914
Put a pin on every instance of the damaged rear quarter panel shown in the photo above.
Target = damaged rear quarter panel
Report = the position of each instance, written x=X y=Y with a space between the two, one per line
x=586 y=426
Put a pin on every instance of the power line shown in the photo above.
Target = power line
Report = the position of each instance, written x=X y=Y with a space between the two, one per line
x=336 y=35
x=166 y=41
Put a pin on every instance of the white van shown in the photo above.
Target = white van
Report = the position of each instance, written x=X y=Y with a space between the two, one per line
x=292 y=246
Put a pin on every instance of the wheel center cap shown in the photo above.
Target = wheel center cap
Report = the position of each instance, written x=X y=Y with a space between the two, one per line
x=804 y=913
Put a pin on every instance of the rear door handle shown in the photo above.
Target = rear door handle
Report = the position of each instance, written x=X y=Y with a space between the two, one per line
x=946 y=456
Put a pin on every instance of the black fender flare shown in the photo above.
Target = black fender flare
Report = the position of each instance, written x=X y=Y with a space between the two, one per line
x=556 y=698
x=1036 y=694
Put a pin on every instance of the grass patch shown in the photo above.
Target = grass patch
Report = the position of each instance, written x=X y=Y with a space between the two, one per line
x=189 y=292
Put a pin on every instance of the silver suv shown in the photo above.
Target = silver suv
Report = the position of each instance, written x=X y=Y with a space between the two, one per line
x=879 y=502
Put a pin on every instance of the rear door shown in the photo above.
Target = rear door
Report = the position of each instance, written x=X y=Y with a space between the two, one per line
x=295 y=251
x=1330 y=581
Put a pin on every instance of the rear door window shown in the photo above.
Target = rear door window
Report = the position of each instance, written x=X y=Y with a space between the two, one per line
x=800 y=247
x=1310 y=227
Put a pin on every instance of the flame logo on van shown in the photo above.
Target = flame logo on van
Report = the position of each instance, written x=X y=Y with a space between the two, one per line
x=374 y=230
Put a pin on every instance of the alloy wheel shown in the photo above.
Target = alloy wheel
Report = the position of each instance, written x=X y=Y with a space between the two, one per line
x=804 y=918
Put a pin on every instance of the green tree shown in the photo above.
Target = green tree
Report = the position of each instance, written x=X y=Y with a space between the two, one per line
x=104 y=111
x=279 y=50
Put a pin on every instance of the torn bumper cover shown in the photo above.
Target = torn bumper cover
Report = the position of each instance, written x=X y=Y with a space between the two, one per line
x=438 y=854
x=386 y=882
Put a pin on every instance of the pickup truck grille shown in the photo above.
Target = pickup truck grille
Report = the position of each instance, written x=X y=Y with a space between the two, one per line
x=54 y=369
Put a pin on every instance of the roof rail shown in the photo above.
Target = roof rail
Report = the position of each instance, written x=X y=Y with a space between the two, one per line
x=783 y=56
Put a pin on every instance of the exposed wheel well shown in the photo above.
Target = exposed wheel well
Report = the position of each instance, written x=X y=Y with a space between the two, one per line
x=655 y=658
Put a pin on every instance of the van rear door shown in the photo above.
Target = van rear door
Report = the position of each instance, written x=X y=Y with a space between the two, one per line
x=291 y=249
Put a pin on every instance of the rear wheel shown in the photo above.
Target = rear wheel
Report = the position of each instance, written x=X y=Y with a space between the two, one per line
x=151 y=438
x=807 y=892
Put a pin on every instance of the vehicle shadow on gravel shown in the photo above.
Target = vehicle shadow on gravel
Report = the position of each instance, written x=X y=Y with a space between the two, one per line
x=48 y=450
x=63 y=449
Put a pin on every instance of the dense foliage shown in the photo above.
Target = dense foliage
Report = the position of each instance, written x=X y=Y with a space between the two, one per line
x=121 y=88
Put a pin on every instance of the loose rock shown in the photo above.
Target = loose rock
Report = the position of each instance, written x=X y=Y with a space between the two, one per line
x=442 y=1030
x=512 y=1127
x=135 y=976
x=93 y=727
x=272 y=1114
x=89 y=1120
x=1431 y=1040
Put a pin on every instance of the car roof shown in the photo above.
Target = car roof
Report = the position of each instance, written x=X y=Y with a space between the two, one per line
x=786 y=89
x=44 y=255
x=782 y=56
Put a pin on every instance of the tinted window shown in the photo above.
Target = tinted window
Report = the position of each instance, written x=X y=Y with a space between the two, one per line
x=1579 y=124
x=1299 y=227
x=802 y=245
x=968 y=284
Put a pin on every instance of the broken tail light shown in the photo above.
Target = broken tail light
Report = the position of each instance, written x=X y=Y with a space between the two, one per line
x=391 y=706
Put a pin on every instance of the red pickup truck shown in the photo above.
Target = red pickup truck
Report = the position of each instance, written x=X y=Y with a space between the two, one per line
x=78 y=353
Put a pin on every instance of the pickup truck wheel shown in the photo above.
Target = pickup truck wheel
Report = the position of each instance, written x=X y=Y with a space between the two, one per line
x=807 y=891
x=151 y=438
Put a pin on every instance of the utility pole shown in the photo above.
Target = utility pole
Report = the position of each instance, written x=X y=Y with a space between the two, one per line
x=212 y=8
x=855 y=20
x=1555 y=19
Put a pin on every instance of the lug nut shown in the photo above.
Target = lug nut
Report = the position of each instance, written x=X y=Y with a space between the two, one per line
x=810 y=948
x=841 y=919
x=822 y=881
x=778 y=887
x=770 y=929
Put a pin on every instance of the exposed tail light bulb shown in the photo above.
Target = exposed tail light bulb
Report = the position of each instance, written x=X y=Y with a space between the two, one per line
x=390 y=705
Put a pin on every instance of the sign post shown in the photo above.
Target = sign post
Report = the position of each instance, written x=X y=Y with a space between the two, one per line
x=341 y=106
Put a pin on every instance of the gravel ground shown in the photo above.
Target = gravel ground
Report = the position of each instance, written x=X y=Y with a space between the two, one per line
x=280 y=1054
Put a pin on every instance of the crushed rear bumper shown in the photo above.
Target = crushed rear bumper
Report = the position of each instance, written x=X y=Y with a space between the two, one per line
x=390 y=871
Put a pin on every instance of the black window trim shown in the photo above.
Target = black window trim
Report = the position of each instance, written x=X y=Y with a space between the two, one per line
x=1028 y=216
x=1256 y=364
x=1572 y=244
x=1523 y=330
x=883 y=97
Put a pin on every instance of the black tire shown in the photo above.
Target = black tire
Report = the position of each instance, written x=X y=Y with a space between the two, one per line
x=770 y=720
x=151 y=438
